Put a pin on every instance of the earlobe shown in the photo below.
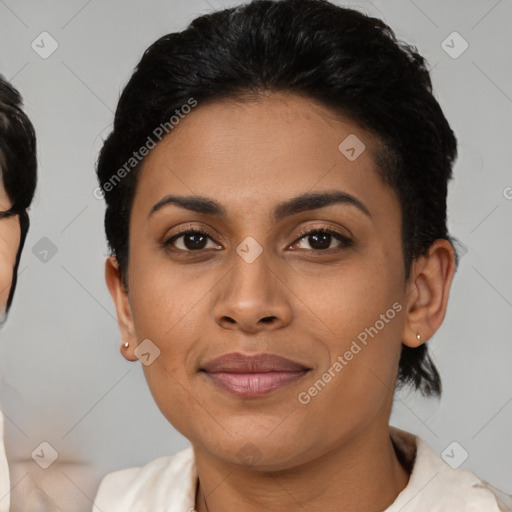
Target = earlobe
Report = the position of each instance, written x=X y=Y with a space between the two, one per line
x=123 y=309
x=430 y=283
x=127 y=351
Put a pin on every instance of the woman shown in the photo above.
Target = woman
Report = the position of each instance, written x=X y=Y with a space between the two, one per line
x=18 y=168
x=276 y=185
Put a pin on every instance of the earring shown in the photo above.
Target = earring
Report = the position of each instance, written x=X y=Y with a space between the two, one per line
x=418 y=337
x=126 y=344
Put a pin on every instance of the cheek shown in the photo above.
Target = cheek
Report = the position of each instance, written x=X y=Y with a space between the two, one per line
x=363 y=307
x=358 y=384
x=165 y=304
x=5 y=282
x=168 y=310
x=353 y=298
x=9 y=243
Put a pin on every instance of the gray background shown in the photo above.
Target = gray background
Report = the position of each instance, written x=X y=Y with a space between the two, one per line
x=63 y=378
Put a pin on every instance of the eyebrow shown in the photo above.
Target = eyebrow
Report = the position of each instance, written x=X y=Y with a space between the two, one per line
x=302 y=203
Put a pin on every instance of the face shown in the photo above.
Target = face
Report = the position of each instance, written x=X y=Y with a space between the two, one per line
x=9 y=243
x=332 y=302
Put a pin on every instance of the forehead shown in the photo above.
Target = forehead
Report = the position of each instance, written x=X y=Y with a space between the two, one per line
x=249 y=154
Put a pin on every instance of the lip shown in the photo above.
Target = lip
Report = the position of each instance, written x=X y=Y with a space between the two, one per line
x=253 y=375
x=236 y=362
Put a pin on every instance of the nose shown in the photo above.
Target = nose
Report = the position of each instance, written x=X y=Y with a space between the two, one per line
x=253 y=298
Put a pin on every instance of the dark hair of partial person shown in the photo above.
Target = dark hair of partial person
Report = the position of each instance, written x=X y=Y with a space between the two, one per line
x=18 y=165
x=339 y=57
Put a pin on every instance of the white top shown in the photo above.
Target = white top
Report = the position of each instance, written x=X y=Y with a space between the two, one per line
x=168 y=484
x=5 y=484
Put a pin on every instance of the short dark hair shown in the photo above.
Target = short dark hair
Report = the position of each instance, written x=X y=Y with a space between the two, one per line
x=18 y=164
x=346 y=60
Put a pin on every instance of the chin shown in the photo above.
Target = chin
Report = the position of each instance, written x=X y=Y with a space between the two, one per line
x=257 y=450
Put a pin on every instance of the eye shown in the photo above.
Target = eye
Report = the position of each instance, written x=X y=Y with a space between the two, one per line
x=320 y=240
x=193 y=240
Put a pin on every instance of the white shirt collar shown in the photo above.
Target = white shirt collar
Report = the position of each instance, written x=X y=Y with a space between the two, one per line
x=168 y=484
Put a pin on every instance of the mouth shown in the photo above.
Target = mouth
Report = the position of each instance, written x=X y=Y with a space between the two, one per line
x=253 y=376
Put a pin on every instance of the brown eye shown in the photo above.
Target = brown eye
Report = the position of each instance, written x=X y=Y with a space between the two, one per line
x=193 y=240
x=321 y=240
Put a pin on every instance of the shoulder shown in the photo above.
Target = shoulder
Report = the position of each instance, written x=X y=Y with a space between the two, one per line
x=165 y=481
x=504 y=501
x=435 y=485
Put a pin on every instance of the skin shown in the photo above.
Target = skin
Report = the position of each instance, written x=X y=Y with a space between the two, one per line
x=10 y=234
x=334 y=452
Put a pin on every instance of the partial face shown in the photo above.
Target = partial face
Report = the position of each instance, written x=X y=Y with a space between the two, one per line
x=330 y=301
x=9 y=242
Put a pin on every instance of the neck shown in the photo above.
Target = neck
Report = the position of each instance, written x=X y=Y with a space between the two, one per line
x=362 y=475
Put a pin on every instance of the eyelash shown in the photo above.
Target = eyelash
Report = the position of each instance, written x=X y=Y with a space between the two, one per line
x=345 y=241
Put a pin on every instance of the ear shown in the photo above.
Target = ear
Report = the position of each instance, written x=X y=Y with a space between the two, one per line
x=428 y=291
x=124 y=312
